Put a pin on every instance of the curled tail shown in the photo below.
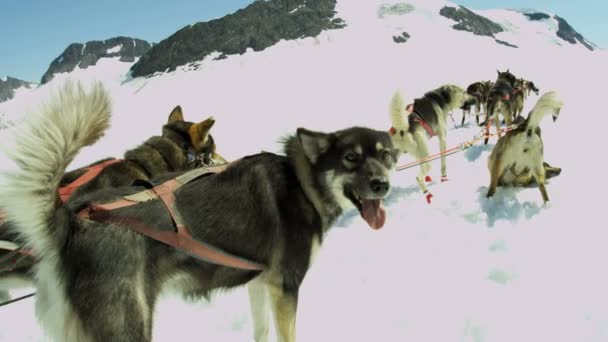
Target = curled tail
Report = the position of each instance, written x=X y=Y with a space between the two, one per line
x=548 y=104
x=397 y=110
x=45 y=144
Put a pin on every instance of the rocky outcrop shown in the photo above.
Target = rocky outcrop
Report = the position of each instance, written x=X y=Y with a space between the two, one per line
x=8 y=85
x=567 y=33
x=537 y=16
x=402 y=38
x=470 y=21
x=87 y=54
x=502 y=42
x=258 y=26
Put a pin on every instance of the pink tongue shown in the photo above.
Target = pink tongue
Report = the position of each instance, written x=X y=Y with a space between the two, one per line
x=373 y=213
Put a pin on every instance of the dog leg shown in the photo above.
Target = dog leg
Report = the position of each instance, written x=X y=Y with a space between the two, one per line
x=464 y=113
x=420 y=152
x=284 y=306
x=442 y=147
x=494 y=176
x=539 y=175
x=260 y=309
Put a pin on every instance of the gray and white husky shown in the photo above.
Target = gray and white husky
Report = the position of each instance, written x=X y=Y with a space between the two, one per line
x=100 y=281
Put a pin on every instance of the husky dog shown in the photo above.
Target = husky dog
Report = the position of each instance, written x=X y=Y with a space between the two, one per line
x=427 y=116
x=499 y=101
x=99 y=281
x=517 y=98
x=183 y=145
x=479 y=92
x=530 y=87
x=518 y=156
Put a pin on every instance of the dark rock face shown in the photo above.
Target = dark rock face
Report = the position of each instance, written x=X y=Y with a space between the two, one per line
x=402 y=38
x=85 y=55
x=471 y=22
x=258 y=26
x=537 y=16
x=567 y=33
x=8 y=85
x=505 y=43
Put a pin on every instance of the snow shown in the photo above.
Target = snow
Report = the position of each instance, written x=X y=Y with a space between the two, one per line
x=114 y=49
x=295 y=9
x=4 y=78
x=464 y=268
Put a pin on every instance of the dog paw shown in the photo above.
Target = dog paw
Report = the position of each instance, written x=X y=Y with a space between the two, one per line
x=428 y=197
x=444 y=179
x=490 y=193
x=428 y=179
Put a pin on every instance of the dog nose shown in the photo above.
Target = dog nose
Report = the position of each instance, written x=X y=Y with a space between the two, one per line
x=380 y=186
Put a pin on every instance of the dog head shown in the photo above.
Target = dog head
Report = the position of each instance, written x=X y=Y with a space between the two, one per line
x=193 y=138
x=351 y=168
x=507 y=76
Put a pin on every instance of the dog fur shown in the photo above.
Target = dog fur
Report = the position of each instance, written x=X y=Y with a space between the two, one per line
x=518 y=156
x=479 y=92
x=411 y=137
x=517 y=98
x=183 y=145
x=499 y=101
x=100 y=281
x=530 y=87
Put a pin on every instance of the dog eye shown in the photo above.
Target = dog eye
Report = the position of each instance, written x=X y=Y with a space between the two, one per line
x=385 y=155
x=351 y=157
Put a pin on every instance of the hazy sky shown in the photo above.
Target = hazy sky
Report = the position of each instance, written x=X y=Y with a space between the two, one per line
x=34 y=32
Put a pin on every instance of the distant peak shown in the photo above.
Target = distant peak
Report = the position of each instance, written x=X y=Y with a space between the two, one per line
x=8 y=85
x=87 y=54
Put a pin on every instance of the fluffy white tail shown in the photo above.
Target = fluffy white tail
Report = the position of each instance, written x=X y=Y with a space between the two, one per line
x=45 y=144
x=397 y=110
x=548 y=104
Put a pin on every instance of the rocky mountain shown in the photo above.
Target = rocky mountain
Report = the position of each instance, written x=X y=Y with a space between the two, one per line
x=258 y=26
x=87 y=54
x=569 y=34
x=564 y=30
x=478 y=24
x=8 y=86
x=470 y=21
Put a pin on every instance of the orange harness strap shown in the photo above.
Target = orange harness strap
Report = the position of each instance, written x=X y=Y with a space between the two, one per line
x=181 y=239
x=92 y=171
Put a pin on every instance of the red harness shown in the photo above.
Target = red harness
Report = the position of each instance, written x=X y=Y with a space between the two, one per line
x=180 y=239
x=410 y=111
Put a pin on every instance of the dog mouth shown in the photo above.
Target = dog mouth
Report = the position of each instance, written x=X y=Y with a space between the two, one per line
x=371 y=210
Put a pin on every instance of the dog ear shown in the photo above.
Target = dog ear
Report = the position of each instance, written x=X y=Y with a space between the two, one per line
x=200 y=131
x=314 y=144
x=176 y=115
x=498 y=72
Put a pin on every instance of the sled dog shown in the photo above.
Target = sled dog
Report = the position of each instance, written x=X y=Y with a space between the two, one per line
x=100 y=280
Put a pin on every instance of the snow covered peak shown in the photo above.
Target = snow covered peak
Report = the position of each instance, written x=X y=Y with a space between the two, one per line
x=87 y=54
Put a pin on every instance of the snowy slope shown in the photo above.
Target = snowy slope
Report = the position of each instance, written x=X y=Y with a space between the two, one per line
x=462 y=269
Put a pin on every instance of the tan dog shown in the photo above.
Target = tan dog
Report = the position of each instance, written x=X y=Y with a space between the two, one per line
x=518 y=156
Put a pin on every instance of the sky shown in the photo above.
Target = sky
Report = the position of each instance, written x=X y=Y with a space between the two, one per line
x=34 y=32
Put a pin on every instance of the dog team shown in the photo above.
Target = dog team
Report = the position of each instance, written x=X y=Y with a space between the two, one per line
x=103 y=242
